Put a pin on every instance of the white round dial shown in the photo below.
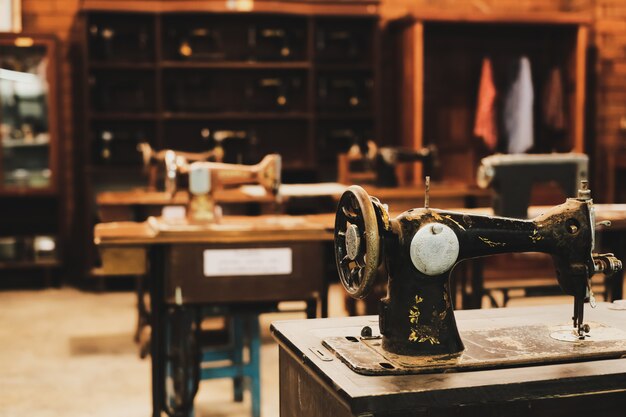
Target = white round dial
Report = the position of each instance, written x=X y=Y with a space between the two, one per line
x=434 y=249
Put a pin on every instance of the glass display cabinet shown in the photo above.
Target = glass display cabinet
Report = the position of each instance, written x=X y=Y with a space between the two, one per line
x=27 y=136
x=31 y=200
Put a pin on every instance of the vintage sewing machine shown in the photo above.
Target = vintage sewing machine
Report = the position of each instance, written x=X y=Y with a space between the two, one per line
x=420 y=248
x=173 y=161
x=205 y=178
x=383 y=166
x=513 y=176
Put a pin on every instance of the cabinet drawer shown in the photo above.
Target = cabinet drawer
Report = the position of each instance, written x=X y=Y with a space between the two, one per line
x=184 y=268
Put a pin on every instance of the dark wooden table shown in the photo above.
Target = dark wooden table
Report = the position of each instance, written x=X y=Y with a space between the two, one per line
x=314 y=383
x=173 y=258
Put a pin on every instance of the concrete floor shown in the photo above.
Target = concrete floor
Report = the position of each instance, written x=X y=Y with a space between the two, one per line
x=69 y=353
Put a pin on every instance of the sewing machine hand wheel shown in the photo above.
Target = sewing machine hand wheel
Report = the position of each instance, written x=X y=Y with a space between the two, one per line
x=357 y=242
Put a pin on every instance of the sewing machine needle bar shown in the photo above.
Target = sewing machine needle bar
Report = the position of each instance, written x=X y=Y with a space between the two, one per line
x=427 y=192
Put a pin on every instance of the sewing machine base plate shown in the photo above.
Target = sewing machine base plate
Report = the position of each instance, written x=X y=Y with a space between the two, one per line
x=503 y=347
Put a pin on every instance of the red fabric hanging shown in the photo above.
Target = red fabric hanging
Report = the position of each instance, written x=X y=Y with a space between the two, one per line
x=485 y=125
x=553 y=110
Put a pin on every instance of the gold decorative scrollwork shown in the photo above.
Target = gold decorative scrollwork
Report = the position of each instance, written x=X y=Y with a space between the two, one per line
x=422 y=333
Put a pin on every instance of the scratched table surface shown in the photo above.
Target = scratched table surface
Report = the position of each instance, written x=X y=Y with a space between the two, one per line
x=501 y=343
x=365 y=393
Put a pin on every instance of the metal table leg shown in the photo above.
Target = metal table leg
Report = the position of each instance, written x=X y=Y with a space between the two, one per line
x=157 y=278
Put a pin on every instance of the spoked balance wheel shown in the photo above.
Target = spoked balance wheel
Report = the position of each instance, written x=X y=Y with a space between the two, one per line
x=357 y=241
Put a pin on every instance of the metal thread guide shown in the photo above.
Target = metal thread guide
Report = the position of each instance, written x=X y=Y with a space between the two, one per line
x=427 y=192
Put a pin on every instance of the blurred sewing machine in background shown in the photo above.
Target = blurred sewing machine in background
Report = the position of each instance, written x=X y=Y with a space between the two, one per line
x=517 y=182
x=223 y=146
x=512 y=178
x=171 y=160
x=366 y=163
x=205 y=178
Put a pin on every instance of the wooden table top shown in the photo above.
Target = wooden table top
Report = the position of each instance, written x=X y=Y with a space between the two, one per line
x=232 y=229
x=386 y=393
x=273 y=228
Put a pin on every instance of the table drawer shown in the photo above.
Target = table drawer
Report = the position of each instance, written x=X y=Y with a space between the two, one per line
x=185 y=269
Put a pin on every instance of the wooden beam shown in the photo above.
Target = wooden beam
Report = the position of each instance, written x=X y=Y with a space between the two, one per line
x=365 y=7
x=418 y=96
x=579 y=101
x=551 y=18
x=412 y=85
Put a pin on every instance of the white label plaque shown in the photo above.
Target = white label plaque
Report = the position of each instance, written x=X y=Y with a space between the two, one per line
x=234 y=262
x=173 y=212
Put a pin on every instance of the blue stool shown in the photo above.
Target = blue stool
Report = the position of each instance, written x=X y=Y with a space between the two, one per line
x=189 y=358
x=244 y=332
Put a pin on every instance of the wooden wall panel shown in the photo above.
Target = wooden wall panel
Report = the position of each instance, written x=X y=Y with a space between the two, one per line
x=610 y=40
x=395 y=8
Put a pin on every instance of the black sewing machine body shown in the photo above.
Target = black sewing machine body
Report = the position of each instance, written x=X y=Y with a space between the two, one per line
x=421 y=247
x=417 y=316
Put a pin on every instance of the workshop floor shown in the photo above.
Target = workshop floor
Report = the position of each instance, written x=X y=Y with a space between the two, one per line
x=71 y=354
